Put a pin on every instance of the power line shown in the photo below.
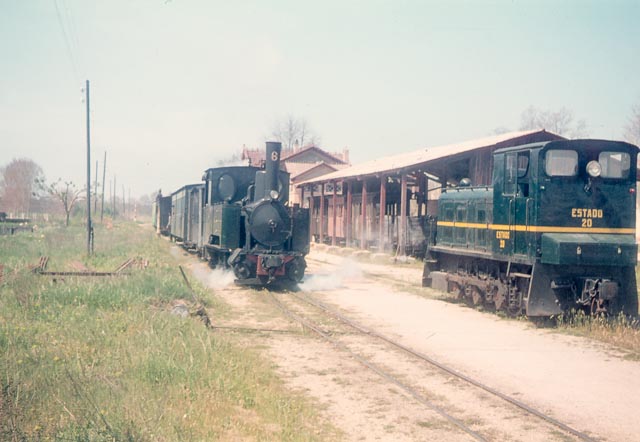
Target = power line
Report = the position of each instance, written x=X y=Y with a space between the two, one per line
x=72 y=27
x=66 y=42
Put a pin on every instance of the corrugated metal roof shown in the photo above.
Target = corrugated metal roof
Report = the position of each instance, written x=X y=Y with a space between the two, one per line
x=412 y=159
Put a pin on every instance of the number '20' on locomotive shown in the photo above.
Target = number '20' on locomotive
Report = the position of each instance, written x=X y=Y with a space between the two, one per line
x=555 y=231
x=240 y=218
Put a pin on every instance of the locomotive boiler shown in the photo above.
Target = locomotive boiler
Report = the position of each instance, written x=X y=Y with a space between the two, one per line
x=555 y=231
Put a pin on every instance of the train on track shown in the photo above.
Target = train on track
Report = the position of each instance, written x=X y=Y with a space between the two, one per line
x=554 y=231
x=239 y=217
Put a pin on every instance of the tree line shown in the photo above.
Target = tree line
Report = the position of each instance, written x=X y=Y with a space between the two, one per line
x=24 y=191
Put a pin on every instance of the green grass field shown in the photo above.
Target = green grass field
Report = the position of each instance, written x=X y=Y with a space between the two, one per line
x=102 y=359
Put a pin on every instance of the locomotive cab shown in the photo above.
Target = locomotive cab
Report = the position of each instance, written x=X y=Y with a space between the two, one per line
x=585 y=239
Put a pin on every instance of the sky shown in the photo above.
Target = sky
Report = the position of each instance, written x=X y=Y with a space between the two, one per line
x=177 y=85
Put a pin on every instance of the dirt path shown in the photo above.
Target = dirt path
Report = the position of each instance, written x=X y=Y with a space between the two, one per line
x=577 y=381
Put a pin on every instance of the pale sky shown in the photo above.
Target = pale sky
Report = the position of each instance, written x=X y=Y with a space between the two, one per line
x=177 y=85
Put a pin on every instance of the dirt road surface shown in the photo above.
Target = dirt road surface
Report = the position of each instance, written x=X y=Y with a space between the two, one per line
x=582 y=383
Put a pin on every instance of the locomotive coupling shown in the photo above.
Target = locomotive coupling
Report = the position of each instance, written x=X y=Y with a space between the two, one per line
x=599 y=288
x=271 y=261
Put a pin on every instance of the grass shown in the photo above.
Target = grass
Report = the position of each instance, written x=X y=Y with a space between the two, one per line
x=620 y=331
x=101 y=359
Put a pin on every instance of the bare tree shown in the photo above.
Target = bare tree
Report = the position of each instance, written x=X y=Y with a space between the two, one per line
x=632 y=128
x=232 y=160
x=501 y=130
x=294 y=131
x=65 y=192
x=560 y=122
x=17 y=184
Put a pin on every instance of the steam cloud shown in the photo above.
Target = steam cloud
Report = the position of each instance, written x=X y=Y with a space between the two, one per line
x=346 y=270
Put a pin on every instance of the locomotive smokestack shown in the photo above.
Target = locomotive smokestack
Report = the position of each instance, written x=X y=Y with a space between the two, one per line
x=272 y=166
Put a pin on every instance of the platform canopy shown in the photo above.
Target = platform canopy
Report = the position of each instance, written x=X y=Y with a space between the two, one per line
x=451 y=161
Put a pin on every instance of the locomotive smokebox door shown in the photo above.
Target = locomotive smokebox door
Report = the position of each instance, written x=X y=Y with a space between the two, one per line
x=270 y=224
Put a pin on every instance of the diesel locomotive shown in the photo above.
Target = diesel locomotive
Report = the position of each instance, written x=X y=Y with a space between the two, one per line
x=239 y=218
x=554 y=231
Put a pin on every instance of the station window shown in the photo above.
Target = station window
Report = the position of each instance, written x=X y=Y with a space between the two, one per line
x=614 y=164
x=560 y=162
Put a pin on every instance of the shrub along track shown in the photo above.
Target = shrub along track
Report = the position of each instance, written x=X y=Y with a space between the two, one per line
x=519 y=426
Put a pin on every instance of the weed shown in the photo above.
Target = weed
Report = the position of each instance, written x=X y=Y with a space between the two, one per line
x=621 y=331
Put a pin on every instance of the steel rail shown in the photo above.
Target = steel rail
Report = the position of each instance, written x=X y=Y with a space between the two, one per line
x=445 y=368
x=407 y=389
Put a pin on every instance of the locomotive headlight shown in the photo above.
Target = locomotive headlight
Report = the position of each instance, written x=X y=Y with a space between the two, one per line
x=594 y=169
x=274 y=194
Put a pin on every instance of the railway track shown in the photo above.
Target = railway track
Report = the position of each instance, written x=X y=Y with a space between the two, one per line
x=381 y=372
x=386 y=374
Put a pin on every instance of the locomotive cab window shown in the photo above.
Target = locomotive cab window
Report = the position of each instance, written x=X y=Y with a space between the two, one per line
x=515 y=177
x=614 y=164
x=560 y=162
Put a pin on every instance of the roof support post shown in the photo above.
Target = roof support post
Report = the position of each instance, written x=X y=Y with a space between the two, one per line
x=349 y=229
x=312 y=203
x=334 y=214
x=382 y=219
x=426 y=196
x=422 y=194
x=363 y=216
x=402 y=240
x=302 y=197
x=321 y=226
x=344 y=213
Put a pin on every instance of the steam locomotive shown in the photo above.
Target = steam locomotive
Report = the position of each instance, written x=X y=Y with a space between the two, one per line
x=555 y=231
x=239 y=218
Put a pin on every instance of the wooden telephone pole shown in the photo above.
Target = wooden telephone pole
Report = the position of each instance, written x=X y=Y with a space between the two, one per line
x=89 y=226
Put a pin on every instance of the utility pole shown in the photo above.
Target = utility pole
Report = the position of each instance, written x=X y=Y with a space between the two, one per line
x=95 y=196
x=104 y=171
x=115 y=197
x=89 y=227
x=124 y=203
x=111 y=193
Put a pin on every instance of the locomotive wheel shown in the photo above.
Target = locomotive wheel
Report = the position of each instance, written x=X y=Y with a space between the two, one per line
x=598 y=306
x=476 y=295
x=500 y=297
x=457 y=289
x=242 y=270
x=295 y=269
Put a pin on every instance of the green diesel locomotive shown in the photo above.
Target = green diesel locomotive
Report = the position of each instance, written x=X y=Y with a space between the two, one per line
x=555 y=231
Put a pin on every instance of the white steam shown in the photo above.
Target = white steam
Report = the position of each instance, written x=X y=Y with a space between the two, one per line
x=346 y=271
x=220 y=278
